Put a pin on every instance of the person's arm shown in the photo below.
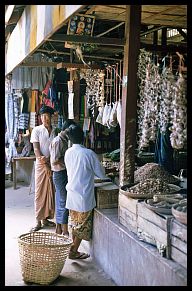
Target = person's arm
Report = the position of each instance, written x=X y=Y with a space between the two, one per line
x=57 y=153
x=36 y=145
x=38 y=153
x=98 y=168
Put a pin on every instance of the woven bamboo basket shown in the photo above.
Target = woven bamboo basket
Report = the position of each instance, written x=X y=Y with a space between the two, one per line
x=42 y=256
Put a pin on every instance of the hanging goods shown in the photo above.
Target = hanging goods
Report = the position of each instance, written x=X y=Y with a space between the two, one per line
x=113 y=116
x=119 y=109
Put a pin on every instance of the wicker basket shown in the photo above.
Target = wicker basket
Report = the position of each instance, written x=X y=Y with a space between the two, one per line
x=42 y=256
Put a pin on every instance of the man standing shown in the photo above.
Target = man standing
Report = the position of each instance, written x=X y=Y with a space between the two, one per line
x=57 y=149
x=82 y=165
x=41 y=138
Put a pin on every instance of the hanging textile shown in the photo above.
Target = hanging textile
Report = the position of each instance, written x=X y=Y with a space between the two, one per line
x=12 y=121
x=24 y=121
x=33 y=100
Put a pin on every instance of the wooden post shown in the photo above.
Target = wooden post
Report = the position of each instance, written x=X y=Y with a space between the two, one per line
x=164 y=37
x=155 y=38
x=129 y=94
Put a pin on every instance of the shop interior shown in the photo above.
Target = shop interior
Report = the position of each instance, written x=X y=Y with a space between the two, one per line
x=83 y=81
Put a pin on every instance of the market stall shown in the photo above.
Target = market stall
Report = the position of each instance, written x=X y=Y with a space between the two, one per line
x=131 y=110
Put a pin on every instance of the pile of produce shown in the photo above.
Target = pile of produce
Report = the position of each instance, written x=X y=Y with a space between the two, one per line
x=155 y=171
x=149 y=187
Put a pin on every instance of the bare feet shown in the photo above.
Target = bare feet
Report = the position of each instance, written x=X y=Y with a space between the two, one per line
x=58 y=228
x=66 y=234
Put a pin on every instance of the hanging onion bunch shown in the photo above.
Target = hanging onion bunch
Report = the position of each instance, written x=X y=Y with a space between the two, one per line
x=167 y=89
x=178 y=129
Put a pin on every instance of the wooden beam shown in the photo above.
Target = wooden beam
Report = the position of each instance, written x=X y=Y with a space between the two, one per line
x=77 y=66
x=85 y=56
x=129 y=94
x=9 y=13
x=112 y=28
x=91 y=9
x=156 y=28
x=59 y=65
x=87 y=39
x=38 y=64
x=182 y=33
x=155 y=15
x=168 y=48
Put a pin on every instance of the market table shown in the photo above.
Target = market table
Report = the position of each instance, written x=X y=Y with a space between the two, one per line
x=14 y=160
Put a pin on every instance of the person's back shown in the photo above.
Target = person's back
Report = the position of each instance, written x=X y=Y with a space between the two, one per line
x=57 y=150
x=82 y=165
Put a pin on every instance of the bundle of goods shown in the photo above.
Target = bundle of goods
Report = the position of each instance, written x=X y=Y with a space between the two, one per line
x=163 y=203
x=114 y=155
x=155 y=171
x=148 y=188
x=111 y=165
x=179 y=211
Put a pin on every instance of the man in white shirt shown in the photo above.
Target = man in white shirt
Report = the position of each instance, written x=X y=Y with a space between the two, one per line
x=41 y=137
x=82 y=166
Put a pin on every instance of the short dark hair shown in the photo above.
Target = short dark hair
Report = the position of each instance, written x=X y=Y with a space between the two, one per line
x=46 y=109
x=67 y=123
x=75 y=134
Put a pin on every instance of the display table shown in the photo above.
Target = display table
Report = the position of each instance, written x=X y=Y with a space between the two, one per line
x=14 y=160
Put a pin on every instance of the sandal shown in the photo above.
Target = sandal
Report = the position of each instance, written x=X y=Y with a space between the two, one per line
x=36 y=228
x=47 y=222
x=78 y=255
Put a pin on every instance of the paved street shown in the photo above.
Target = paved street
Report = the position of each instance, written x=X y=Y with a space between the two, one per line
x=19 y=218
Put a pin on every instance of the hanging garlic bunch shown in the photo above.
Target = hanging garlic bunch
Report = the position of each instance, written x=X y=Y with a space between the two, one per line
x=143 y=62
x=178 y=129
x=92 y=89
x=100 y=102
x=154 y=101
x=167 y=88
x=148 y=103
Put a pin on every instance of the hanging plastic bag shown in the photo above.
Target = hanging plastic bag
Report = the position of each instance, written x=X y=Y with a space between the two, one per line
x=100 y=115
x=105 y=114
x=108 y=115
x=113 y=116
x=119 y=112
